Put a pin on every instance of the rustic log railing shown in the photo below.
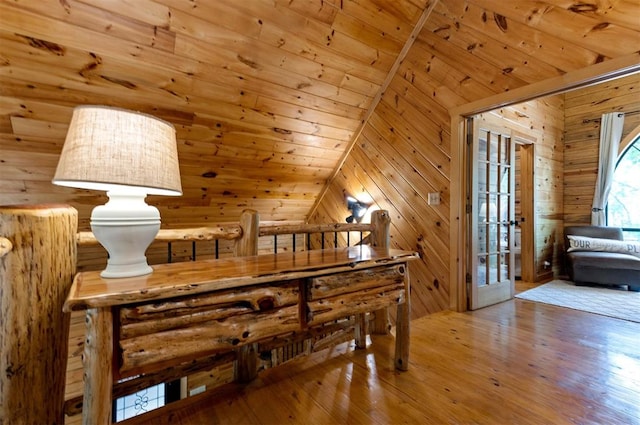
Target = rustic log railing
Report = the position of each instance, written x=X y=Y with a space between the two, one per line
x=234 y=231
x=231 y=232
x=223 y=231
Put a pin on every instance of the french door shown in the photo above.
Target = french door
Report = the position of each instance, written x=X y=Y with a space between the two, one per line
x=492 y=217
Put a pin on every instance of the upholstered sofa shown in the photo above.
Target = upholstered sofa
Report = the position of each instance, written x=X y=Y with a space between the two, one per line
x=596 y=254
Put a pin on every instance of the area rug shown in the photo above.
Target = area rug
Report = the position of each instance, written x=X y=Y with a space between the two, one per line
x=612 y=302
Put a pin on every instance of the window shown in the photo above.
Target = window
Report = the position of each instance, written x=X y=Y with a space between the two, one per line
x=145 y=400
x=138 y=403
x=623 y=208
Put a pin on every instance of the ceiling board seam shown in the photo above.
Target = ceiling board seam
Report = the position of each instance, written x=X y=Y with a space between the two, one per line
x=374 y=103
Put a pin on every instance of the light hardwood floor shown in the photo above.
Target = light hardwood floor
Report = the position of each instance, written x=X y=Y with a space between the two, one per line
x=517 y=362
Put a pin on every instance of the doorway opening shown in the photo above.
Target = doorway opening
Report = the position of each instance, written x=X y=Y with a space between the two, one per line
x=501 y=199
x=601 y=72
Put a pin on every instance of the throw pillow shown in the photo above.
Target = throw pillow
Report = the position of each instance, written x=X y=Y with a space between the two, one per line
x=584 y=243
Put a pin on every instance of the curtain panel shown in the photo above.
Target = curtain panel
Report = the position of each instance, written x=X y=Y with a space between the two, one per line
x=610 y=134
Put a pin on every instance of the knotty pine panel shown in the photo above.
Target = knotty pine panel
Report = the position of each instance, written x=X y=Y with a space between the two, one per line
x=85 y=15
x=425 y=280
x=423 y=58
x=354 y=177
x=512 y=61
x=588 y=30
x=411 y=218
x=493 y=78
x=608 y=94
x=266 y=96
x=584 y=109
x=148 y=11
x=540 y=47
x=427 y=223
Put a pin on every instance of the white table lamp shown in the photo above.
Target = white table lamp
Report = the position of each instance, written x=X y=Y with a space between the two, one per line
x=129 y=155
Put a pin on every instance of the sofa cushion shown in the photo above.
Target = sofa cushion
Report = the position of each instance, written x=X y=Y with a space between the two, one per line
x=602 y=232
x=604 y=260
x=583 y=243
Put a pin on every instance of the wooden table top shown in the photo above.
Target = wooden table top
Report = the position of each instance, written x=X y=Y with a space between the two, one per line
x=89 y=290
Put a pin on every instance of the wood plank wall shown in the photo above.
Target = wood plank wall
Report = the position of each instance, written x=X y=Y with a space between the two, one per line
x=265 y=95
x=404 y=151
x=388 y=165
x=582 y=133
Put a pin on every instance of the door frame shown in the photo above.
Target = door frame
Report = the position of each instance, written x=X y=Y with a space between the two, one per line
x=593 y=74
x=527 y=202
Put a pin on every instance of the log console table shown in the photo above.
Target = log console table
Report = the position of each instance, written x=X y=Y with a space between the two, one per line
x=184 y=311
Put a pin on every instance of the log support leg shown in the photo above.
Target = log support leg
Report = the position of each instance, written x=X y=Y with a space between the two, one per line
x=402 y=329
x=381 y=323
x=361 y=330
x=98 y=367
x=247 y=363
x=380 y=238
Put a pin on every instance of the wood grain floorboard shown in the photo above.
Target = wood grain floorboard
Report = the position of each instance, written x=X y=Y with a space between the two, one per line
x=517 y=362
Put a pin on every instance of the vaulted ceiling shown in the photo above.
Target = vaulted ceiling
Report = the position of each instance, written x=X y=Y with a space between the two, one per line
x=267 y=96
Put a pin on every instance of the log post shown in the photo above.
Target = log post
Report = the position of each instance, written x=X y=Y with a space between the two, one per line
x=402 y=327
x=35 y=277
x=98 y=366
x=247 y=245
x=379 y=238
x=381 y=223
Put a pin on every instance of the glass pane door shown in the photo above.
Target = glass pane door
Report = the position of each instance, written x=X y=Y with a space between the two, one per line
x=492 y=269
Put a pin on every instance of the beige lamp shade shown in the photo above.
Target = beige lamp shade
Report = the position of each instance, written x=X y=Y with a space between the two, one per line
x=109 y=148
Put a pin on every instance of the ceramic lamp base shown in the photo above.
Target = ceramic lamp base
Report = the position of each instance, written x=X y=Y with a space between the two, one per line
x=125 y=226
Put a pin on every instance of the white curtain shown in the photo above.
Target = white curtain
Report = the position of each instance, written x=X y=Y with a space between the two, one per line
x=610 y=134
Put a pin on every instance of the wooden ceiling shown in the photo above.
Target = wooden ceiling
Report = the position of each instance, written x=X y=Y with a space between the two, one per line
x=268 y=96
x=265 y=95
